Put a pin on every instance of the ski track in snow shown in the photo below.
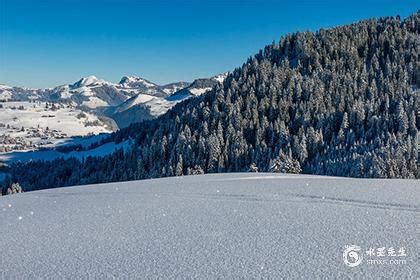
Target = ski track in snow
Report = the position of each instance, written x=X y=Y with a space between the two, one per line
x=210 y=226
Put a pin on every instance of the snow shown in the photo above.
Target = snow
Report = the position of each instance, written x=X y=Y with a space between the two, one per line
x=226 y=226
x=83 y=91
x=94 y=102
x=172 y=90
x=65 y=119
x=199 y=91
x=64 y=92
x=139 y=99
x=51 y=154
x=5 y=95
x=5 y=87
x=221 y=77
x=130 y=81
x=89 y=81
x=156 y=105
x=35 y=119
x=159 y=106
x=84 y=141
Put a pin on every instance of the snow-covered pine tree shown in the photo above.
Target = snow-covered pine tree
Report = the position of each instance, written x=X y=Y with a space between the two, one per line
x=285 y=164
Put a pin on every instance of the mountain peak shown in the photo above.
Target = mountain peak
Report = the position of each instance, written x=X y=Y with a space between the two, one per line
x=88 y=81
x=221 y=77
x=4 y=87
x=134 y=81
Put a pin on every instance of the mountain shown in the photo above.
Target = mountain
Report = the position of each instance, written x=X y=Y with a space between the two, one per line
x=139 y=108
x=9 y=93
x=198 y=87
x=32 y=119
x=173 y=87
x=340 y=102
x=92 y=93
x=157 y=100
x=232 y=226
x=136 y=82
x=89 y=92
x=146 y=87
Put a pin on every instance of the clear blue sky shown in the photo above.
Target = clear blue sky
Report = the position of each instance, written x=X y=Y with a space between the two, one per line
x=44 y=43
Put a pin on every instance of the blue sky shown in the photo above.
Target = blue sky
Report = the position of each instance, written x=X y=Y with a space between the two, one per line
x=44 y=43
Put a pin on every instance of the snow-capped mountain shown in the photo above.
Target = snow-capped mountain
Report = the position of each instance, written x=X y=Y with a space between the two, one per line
x=136 y=82
x=198 y=87
x=174 y=87
x=138 y=108
x=146 y=87
x=147 y=106
x=92 y=93
x=37 y=118
x=89 y=92
x=9 y=93
x=90 y=81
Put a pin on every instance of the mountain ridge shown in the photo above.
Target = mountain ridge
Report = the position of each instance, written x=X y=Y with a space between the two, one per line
x=33 y=119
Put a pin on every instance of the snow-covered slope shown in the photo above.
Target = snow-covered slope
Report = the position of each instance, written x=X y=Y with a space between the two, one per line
x=226 y=226
x=31 y=125
x=90 y=92
x=144 y=86
x=93 y=93
x=136 y=82
x=173 y=87
x=138 y=108
x=198 y=87
x=51 y=154
x=147 y=106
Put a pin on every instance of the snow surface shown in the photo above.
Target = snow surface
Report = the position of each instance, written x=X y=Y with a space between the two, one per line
x=5 y=87
x=210 y=226
x=135 y=100
x=5 y=95
x=94 y=102
x=172 y=89
x=199 y=91
x=100 y=151
x=132 y=81
x=157 y=105
x=35 y=117
x=221 y=77
x=90 y=80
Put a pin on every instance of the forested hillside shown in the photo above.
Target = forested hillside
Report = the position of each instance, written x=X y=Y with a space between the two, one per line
x=336 y=102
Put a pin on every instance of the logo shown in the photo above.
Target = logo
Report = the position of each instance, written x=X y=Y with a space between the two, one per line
x=352 y=256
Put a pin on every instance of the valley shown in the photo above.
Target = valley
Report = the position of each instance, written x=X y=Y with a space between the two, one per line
x=35 y=119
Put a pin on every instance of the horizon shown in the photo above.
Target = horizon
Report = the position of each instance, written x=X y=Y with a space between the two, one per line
x=46 y=44
x=110 y=81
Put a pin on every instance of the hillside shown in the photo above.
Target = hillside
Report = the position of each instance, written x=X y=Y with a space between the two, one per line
x=223 y=225
x=336 y=102
x=33 y=119
x=145 y=106
x=34 y=125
